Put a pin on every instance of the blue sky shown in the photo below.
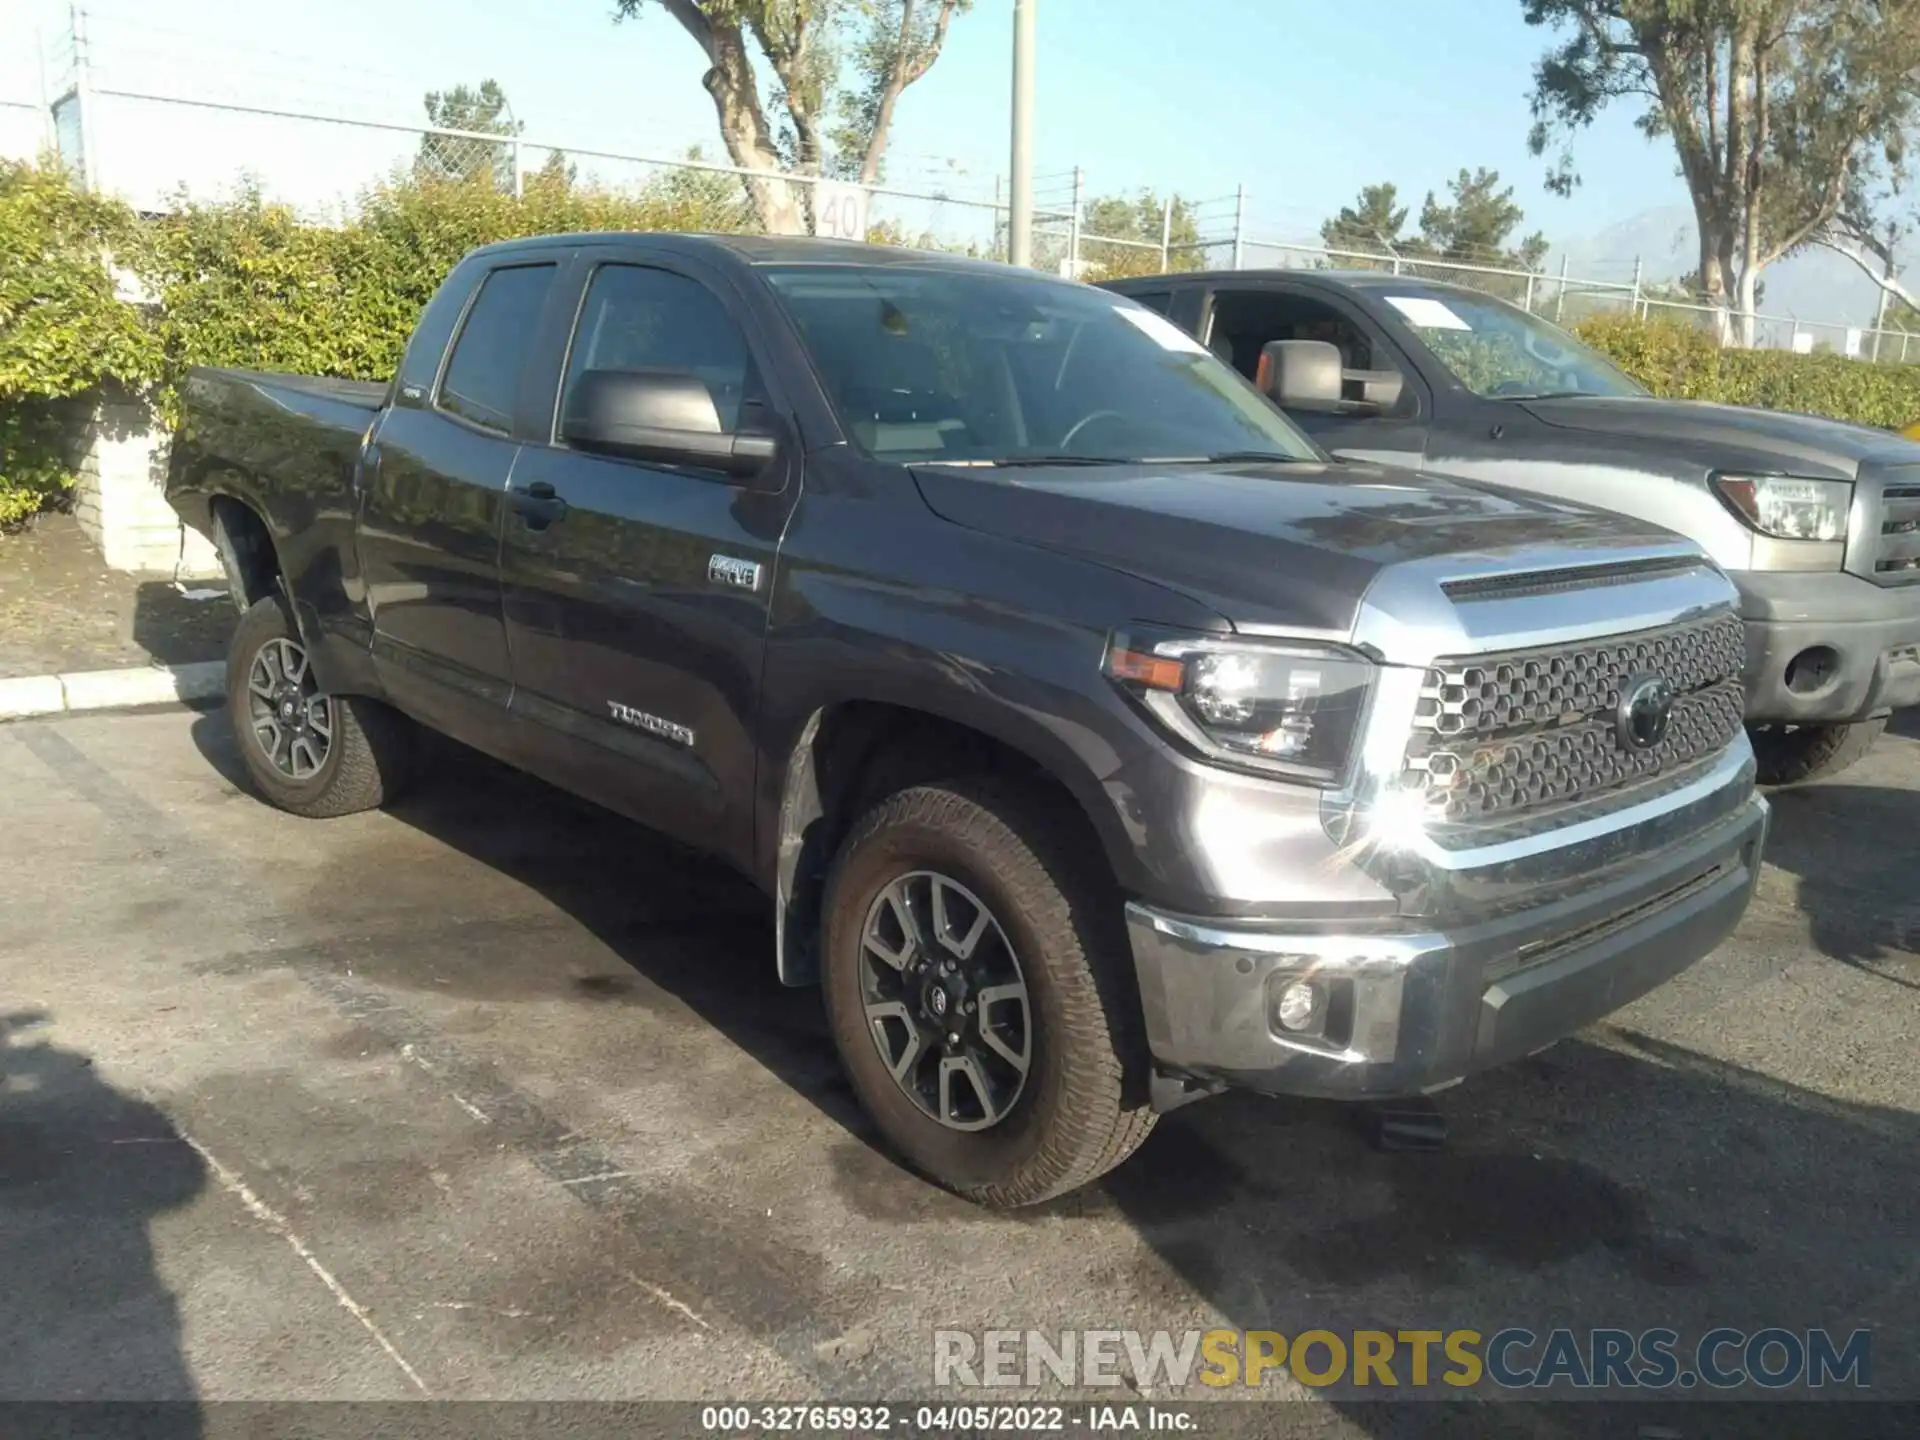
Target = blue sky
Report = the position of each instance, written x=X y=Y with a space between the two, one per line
x=1303 y=101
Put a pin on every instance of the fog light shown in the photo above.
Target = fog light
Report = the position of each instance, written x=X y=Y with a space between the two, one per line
x=1298 y=1006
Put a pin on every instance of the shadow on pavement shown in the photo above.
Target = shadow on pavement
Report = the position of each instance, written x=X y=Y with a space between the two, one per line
x=1631 y=1184
x=84 y=1170
x=176 y=630
x=1856 y=849
x=679 y=922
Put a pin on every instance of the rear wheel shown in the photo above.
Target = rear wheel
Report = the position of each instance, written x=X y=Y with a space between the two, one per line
x=1790 y=754
x=307 y=752
x=974 y=991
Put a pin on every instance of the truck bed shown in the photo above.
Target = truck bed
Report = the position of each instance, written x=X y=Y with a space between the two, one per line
x=287 y=444
x=360 y=394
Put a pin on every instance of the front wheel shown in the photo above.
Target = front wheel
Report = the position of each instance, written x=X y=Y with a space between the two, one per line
x=976 y=996
x=1790 y=754
x=307 y=752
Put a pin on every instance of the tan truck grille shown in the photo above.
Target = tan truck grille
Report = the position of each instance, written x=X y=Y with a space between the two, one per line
x=1497 y=735
x=1896 y=559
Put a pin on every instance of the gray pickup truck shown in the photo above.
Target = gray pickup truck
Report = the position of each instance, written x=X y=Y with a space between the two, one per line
x=1101 y=742
x=1817 y=522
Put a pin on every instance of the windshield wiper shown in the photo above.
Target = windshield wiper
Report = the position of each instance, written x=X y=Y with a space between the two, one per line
x=1011 y=462
x=1548 y=395
x=1233 y=457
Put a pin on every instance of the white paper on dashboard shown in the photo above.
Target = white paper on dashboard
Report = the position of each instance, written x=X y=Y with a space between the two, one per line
x=1163 y=332
x=1427 y=314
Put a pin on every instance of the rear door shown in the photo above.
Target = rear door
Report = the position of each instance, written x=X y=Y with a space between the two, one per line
x=1236 y=323
x=636 y=593
x=435 y=494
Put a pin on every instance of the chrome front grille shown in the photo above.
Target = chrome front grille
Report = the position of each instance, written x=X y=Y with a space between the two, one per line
x=1497 y=735
x=1896 y=559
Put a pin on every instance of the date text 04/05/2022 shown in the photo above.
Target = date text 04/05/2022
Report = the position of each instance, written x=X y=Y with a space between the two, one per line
x=942 y=1419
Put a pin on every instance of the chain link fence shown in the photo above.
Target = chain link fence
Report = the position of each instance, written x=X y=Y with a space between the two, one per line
x=133 y=107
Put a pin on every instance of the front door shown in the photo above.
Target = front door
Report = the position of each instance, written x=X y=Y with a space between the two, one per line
x=636 y=593
x=1239 y=323
x=429 y=534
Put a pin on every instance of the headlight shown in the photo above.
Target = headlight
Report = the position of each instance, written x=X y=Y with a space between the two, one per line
x=1786 y=508
x=1290 y=710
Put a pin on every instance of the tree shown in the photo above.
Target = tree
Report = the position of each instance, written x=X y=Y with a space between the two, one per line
x=1873 y=246
x=1687 y=290
x=1782 y=113
x=556 y=175
x=1146 y=220
x=1473 y=230
x=825 y=126
x=1470 y=230
x=482 y=110
x=1372 y=223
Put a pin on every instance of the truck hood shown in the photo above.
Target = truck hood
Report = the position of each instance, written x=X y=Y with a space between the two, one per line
x=1805 y=444
x=1276 y=545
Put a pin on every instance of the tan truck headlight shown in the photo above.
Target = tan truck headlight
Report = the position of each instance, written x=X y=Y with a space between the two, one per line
x=1788 y=508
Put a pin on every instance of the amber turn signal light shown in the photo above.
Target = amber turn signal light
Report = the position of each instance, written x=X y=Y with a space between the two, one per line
x=1156 y=672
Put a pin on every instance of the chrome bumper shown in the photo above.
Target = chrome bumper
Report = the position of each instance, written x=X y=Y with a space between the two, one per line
x=1404 y=1012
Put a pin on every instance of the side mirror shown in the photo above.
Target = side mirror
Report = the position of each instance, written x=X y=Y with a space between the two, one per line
x=661 y=415
x=1300 y=375
x=1377 y=391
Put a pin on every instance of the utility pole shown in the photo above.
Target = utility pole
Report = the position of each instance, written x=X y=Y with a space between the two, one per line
x=1073 y=230
x=1020 y=202
x=83 y=97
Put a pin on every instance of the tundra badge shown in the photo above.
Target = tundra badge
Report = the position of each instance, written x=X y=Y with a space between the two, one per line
x=740 y=574
x=652 y=724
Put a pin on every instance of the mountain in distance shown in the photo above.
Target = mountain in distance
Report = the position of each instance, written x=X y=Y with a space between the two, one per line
x=1815 y=285
x=1661 y=238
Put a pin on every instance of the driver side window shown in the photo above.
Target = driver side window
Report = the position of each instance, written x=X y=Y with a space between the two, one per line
x=636 y=318
x=1243 y=324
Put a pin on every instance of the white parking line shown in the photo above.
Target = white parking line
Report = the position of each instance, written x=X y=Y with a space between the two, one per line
x=274 y=1220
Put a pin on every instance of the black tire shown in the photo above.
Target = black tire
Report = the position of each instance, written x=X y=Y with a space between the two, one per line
x=368 y=755
x=1083 y=1108
x=1791 y=754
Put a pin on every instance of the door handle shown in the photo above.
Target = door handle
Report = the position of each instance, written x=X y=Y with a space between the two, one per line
x=537 y=503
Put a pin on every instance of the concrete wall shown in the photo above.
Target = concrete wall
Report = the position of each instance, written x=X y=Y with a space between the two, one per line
x=120 y=454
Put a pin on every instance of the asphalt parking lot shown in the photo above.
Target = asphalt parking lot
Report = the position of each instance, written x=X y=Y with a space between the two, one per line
x=494 y=1095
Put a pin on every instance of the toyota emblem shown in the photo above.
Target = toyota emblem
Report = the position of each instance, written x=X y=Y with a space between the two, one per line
x=1646 y=704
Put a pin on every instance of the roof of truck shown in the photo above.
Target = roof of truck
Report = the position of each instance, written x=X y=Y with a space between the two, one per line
x=763 y=249
x=1359 y=279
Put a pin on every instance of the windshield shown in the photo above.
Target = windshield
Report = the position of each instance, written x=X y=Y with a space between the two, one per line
x=958 y=367
x=1501 y=352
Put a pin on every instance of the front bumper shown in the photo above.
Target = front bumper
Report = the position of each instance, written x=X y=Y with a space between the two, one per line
x=1408 y=1012
x=1828 y=648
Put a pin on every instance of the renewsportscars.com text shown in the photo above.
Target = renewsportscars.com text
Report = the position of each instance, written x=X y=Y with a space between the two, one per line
x=1513 y=1358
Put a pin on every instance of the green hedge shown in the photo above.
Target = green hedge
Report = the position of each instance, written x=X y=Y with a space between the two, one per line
x=62 y=330
x=245 y=283
x=1685 y=363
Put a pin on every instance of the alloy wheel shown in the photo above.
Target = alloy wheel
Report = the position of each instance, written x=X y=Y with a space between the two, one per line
x=946 y=1002
x=291 y=721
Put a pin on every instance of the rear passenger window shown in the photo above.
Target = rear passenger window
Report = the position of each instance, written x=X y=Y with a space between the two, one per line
x=637 y=318
x=1159 y=300
x=484 y=370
